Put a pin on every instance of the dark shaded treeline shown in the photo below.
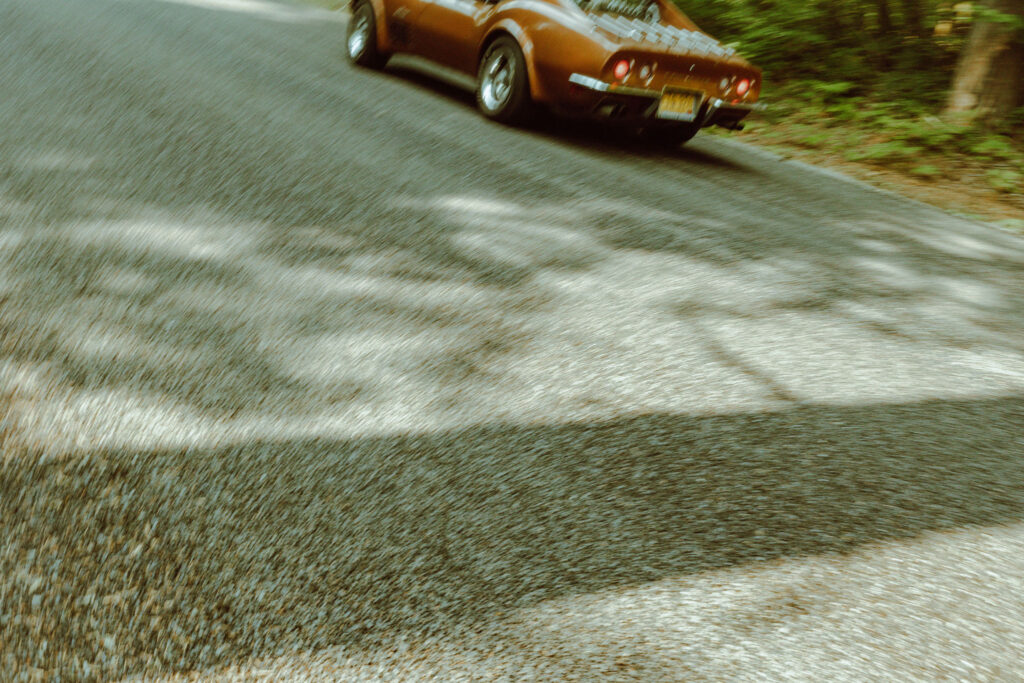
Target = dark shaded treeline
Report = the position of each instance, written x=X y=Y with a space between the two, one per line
x=958 y=56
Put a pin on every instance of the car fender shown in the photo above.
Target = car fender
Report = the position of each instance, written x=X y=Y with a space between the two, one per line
x=556 y=38
x=380 y=16
x=507 y=25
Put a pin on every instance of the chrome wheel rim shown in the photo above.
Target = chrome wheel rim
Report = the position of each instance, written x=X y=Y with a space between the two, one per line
x=496 y=82
x=359 y=36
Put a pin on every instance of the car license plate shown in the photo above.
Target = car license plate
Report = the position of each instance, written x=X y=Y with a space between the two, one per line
x=680 y=105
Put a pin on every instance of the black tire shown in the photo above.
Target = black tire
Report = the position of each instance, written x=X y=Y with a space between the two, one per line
x=361 y=38
x=503 y=85
x=669 y=136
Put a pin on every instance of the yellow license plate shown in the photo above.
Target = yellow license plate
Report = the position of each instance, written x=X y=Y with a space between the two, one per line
x=679 y=105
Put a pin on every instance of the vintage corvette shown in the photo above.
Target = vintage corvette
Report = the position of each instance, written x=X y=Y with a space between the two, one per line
x=639 y=63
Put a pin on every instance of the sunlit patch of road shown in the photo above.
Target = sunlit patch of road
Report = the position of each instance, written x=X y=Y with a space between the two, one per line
x=796 y=619
x=692 y=332
x=263 y=9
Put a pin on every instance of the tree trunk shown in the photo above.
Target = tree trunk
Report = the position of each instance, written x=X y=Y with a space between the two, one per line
x=832 y=21
x=913 y=18
x=989 y=77
x=883 y=51
x=884 y=19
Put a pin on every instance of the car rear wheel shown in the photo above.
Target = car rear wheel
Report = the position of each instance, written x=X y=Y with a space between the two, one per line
x=503 y=87
x=361 y=41
x=669 y=136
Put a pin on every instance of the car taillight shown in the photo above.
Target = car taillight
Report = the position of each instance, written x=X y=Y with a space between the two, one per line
x=742 y=87
x=621 y=69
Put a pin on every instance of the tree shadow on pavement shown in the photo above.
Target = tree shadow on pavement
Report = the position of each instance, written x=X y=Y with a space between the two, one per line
x=265 y=548
x=596 y=136
x=421 y=76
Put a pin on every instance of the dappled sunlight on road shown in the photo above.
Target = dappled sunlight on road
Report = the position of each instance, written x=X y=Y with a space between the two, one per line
x=262 y=9
x=458 y=415
x=239 y=329
x=129 y=304
x=821 y=314
x=724 y=623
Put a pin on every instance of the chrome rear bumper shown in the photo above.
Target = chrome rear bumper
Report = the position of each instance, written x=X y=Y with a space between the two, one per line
x=713 y=111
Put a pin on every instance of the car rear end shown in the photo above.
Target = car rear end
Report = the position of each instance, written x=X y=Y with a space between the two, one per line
x=662 y=74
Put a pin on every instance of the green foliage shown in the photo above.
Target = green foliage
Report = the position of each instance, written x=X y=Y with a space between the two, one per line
x=930 y=133
x=1005 y=180
x=844 y=83
x=989 y=14
x=993 y=147
x=926 y=171
x=834 y=88
x=889 y=151
x=832 y=91
x=845 y=80
x=846 y=111
x=1013 y=125
x=844 y=45
x=814 y=139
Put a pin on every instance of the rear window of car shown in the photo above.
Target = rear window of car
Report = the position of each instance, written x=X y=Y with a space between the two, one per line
x=631 y=9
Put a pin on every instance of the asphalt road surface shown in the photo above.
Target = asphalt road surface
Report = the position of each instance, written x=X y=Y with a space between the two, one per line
x=312 y=373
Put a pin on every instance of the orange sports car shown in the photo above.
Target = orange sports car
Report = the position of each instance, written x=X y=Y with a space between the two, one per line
x=640 y=63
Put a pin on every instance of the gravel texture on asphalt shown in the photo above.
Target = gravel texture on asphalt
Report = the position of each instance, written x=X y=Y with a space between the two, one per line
x=310 y=373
